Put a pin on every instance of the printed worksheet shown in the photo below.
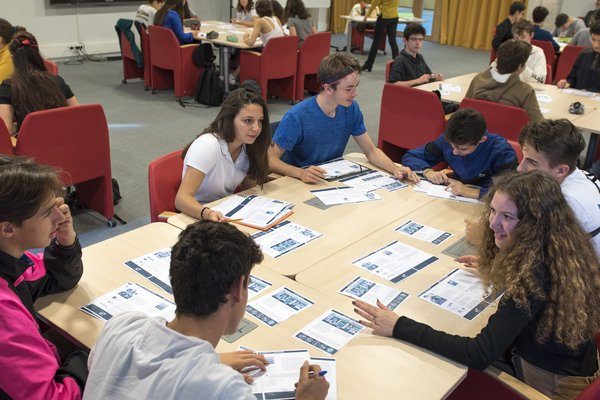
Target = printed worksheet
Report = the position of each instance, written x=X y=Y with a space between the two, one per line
x=423 y=186
x=278 y=306
x=395 y=261
x=443 y=192
x=369 y=292
x=339 y=167
x=447 y=88
x=543 y=97
x=343 y=195
x=373 y=180
x=257 y=286
x=461 y=293
x=328 y=364
x=579 y=92
x=283 y=238
x=277 y=382
x=154 y=267
x=423 y=232
x=255 y=211
x=130 y=297
x=330 y=332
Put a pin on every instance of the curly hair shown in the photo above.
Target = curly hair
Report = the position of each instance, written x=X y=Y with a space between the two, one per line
x=547 y=240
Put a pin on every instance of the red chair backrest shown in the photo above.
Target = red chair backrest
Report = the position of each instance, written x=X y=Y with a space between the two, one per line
x=164 y=47
x=549 y=77
x=74 y=139
x=388 y=70
x=126 y=47
x=409 y=117
x=501 y=119
x=548 y=50
x=145 y=41
x=6 y=146
x=517 y=148
x=164 y=178
x=592 y=392
x=314 y=49
x=280 y=57
x=51 y=67
x=479 y=385
x=565 y=61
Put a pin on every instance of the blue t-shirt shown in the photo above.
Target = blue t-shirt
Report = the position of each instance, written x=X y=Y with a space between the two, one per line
x=173 y=22
x=310 y=137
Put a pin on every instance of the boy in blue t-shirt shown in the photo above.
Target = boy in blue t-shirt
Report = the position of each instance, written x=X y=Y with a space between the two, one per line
x=318 y=129
x=474 y=155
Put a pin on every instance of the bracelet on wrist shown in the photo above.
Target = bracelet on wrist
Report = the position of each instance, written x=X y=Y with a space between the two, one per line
x=202 y=212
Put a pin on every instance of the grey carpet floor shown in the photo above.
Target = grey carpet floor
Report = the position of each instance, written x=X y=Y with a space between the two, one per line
x=144 y=126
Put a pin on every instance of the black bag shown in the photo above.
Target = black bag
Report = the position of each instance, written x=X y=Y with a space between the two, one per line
x=203 y=55
x=209 y=88
x=116 y=191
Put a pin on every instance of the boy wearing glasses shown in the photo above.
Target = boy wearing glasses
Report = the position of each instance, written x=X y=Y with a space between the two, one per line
x=474 y=155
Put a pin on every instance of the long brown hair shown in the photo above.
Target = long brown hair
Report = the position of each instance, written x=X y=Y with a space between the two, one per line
x=223 y=127
x=247 y=9
x=175 y=5
x=295 y=8
x=32 y=87
x=547 y=240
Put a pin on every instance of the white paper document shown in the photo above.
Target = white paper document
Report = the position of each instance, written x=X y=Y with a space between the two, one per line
x=423 y=232
x=130 y=297
x=283 y=238
x=339 y=167
x=328 y=364
x=343 y=195
x=154 y=267
x=255 y=211
x=395 y=261
x=447 y=88
x=330 y=332
x=544 y=110
x=373 y=180
x=442 y=191
x=461 y=293
x=543 y=97
x=277 y=382
x=257 y=286
x=579 y=92
x=369 y=292
x=278 y=306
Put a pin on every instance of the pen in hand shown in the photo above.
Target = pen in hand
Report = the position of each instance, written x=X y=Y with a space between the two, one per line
x=312 y=373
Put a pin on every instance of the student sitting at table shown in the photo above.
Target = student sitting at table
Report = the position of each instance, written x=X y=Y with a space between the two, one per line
x=567 y=26
x=188 y=14
x=31 y=88
x=146 y=12
x=504 y=29
x=502 y=84
x=245 y=13
x=298 y=20
x=534 y=251
x=32 y=217
x=474 y=155
x=266 y=25
x=231 y=152
x=589 y=15
x=279 y=12
x=170 y=16
x=141 y=357
x=535 y=67
x=539 y=16
x=317 y=129
x=585 y=73
x=583 y=38
x=7 y=32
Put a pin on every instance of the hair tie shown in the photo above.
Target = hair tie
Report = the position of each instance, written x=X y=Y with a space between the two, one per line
x=26 y=42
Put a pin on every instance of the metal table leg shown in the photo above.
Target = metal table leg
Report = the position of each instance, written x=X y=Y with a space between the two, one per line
x=226 y=52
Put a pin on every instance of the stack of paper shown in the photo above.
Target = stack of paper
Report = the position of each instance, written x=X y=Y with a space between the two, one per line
x=338 y=168
x=255 y=211
x=130 y=297
x=343 y=195
x=330 y=332
x=283 y=238
x=373 y=180
x=277 y=307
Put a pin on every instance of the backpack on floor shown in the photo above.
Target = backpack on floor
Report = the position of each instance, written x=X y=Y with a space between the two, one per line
x=209 y=87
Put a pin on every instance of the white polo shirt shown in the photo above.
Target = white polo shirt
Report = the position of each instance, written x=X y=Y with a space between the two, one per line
x=210 y=155
x=584 y=198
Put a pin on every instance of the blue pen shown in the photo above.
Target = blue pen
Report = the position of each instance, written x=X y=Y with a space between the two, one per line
x=321 y=373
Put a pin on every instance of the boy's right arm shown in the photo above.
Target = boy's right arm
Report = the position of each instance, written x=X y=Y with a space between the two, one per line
x=424 y=157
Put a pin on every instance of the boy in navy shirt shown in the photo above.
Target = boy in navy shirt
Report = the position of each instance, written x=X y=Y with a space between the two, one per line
x=539 y=16
x=585 y=73
x=474 y=155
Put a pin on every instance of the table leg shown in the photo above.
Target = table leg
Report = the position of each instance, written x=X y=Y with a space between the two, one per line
x=226 y=51
x=349 y=37
x=591 y=151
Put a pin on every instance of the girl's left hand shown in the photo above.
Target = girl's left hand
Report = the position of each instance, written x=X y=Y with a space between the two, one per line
x=381 y=319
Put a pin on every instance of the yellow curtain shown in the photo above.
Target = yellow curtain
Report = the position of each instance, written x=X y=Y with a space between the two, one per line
x=471 y=23
x=340 y=7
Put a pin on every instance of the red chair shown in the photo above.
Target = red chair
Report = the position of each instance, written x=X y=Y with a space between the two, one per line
x=314 y=48
x=358 y=39
x=592 y=392
x=51 y=67
x=548 y=80
x=549 y=51
x=274 y=69
x=565 y=62
x=517 y=148
x=6 y=146
x=388 y=69
x=75 y=140
x=502 y=119
x=172 y=64
x=409 y=118
x=164 y=178
x=130 y=67
x=479 y=385
x=145 y=41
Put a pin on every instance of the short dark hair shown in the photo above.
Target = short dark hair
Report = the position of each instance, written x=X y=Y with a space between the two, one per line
x=539 y=14
x=206 y=261
x=522 y=26
x=595 y=28
x=24 y=187
x=263 y=8
x=511 y=55
x=515 y=7
x=561 y=19
x=336 y=66
x=466 y=127
x=559 y=140
x=413 y=29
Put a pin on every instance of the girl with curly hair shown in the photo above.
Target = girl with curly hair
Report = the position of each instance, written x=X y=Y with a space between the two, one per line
x=537 y=254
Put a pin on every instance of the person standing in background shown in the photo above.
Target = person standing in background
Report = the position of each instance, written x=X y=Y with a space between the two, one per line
x=387 y=21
